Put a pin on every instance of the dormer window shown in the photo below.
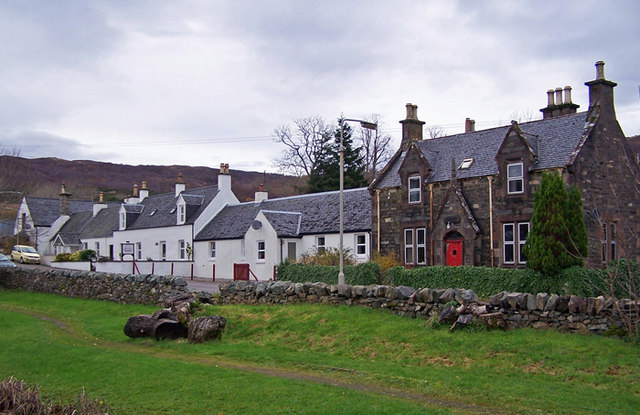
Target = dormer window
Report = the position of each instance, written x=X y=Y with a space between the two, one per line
x=123 y=220
x=415 y=190
x=181 y=214
x=466 y=163
x=515 y=178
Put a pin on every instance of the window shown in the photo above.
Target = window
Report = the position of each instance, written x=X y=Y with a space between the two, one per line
x=182 y=251
x=181 y=216
x=361 y=245
x=321 y=244
x=515 y=178
x=514 y=236
x=139 y=250
x=262 y=251
x=408 y=246
x=97 y=248
x=153 y=212
x=466 y=163
x=291 y=251
x=242 y=249
x=123 y=221
x=163 y=249
x=212 y=250
x=421 y=246
x=415 y=195
x=608 y=242
x=85 y=245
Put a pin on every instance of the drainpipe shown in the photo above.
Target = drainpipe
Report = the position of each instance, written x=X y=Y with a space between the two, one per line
x=431 y=220
x=378 y=213
x=491 y=217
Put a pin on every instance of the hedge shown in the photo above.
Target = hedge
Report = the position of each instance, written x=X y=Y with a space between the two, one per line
x=488 y=281
x=362 y=274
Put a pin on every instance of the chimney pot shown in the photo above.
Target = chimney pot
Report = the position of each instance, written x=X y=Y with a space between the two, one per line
x=101 y=198
x=558 y=96
x=567 y=95
x=469 y=125
x=600 y=70
x=135 y=190
x=550 y=98
x=144 y=185
x=412 y=111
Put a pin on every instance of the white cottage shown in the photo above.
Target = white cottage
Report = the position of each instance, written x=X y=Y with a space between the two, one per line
x=254 y=237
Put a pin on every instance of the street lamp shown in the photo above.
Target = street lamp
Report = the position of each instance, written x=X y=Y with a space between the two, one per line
x=369 y=126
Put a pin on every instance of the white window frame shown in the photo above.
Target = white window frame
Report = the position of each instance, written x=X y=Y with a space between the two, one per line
x=182 y=249
x=421 y=246
x=97 y=248
x=295 y=250
x=521 y=241
x=408 y=246
x=515 y=178
x=123 y=220
x=181 y=214
x=360 y=245
x=321 y=244
x=516 y=243
x=162 y=245
x=212 y=250
x=261 y=251
x=139 y=250
x=414 y=192
x=609 y=248
x=466 y=163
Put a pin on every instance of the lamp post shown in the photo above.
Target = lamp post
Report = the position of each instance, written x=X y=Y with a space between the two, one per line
x=369 y=126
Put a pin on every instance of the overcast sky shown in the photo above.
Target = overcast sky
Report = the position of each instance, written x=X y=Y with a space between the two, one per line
x=205 y=82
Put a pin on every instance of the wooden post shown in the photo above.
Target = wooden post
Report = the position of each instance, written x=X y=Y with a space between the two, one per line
x=192 y=271
x=172 y=269
x=153 y=267
x=213 y=272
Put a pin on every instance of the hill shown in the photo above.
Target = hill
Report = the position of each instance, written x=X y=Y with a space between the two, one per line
x=84 y=179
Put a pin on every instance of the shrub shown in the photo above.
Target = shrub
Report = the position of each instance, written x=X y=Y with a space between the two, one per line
x=63 y=257
x=386 y=262
x=362 y=274
x=83 y=255
x=328 y=256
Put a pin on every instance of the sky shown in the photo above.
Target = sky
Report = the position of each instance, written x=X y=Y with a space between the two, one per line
x=200 y=83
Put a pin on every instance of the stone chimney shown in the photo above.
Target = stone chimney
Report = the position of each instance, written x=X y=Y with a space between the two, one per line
x=144 y=192
x=411 y=127
x=65 y=208
x=601 y=92
x=469 y=125
x=261 y=194
x=557 y=105
x=224 y=178
x=97 y=207
x=180 y=185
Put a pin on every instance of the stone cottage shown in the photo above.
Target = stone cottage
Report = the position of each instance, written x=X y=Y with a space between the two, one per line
x=467 y=199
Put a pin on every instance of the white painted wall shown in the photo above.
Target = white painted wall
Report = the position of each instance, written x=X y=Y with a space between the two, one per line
x=180 y=269
x=150 y=239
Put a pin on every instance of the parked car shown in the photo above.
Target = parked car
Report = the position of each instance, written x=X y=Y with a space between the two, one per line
x=25 y=254
x=5 y=261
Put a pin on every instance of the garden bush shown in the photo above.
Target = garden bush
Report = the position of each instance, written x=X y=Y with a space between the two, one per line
x=362 y=274
x=82 y=255
x=63 y=257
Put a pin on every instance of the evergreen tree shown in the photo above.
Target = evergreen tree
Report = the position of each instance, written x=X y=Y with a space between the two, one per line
x=325 y=174
x=546 y=247
x=578 y=240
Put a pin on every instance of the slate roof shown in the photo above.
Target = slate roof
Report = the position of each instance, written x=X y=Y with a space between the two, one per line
x=44 y=211
x=553 y=141
x=71 y=230
x=103 y=224
x=294 y=216
x=163 y=204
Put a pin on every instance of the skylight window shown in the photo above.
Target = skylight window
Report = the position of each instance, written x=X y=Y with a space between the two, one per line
x=153 y=212
x=466 y=163
x=173 y=210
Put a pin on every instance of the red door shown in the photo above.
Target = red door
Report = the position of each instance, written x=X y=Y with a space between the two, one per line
x=454 y=252
x=241 y=272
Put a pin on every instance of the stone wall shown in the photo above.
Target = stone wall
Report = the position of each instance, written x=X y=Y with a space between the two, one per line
x=507 y=310
x=121 y=288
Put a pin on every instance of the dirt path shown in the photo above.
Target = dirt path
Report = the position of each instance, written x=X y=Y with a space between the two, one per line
x=76 y=335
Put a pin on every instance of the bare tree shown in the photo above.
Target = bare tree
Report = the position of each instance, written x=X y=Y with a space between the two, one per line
x=302 y=143
x=435 y=131
x=374 y=145
x=11 y=182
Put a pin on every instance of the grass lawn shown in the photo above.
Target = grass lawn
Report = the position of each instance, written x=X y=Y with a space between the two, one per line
x=311 y=359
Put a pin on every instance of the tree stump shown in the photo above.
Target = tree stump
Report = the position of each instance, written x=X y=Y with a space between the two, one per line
x=205 y=328
x=163 y=324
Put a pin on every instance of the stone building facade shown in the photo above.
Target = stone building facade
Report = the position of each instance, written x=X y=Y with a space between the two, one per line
x=467 y=199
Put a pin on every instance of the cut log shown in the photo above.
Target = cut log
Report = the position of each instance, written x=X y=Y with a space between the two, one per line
x=169 y=329
x=206 y=328
x=140 y=326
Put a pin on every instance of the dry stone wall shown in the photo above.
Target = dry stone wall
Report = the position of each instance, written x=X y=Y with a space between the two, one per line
x=507 y=310
x=121 y=288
